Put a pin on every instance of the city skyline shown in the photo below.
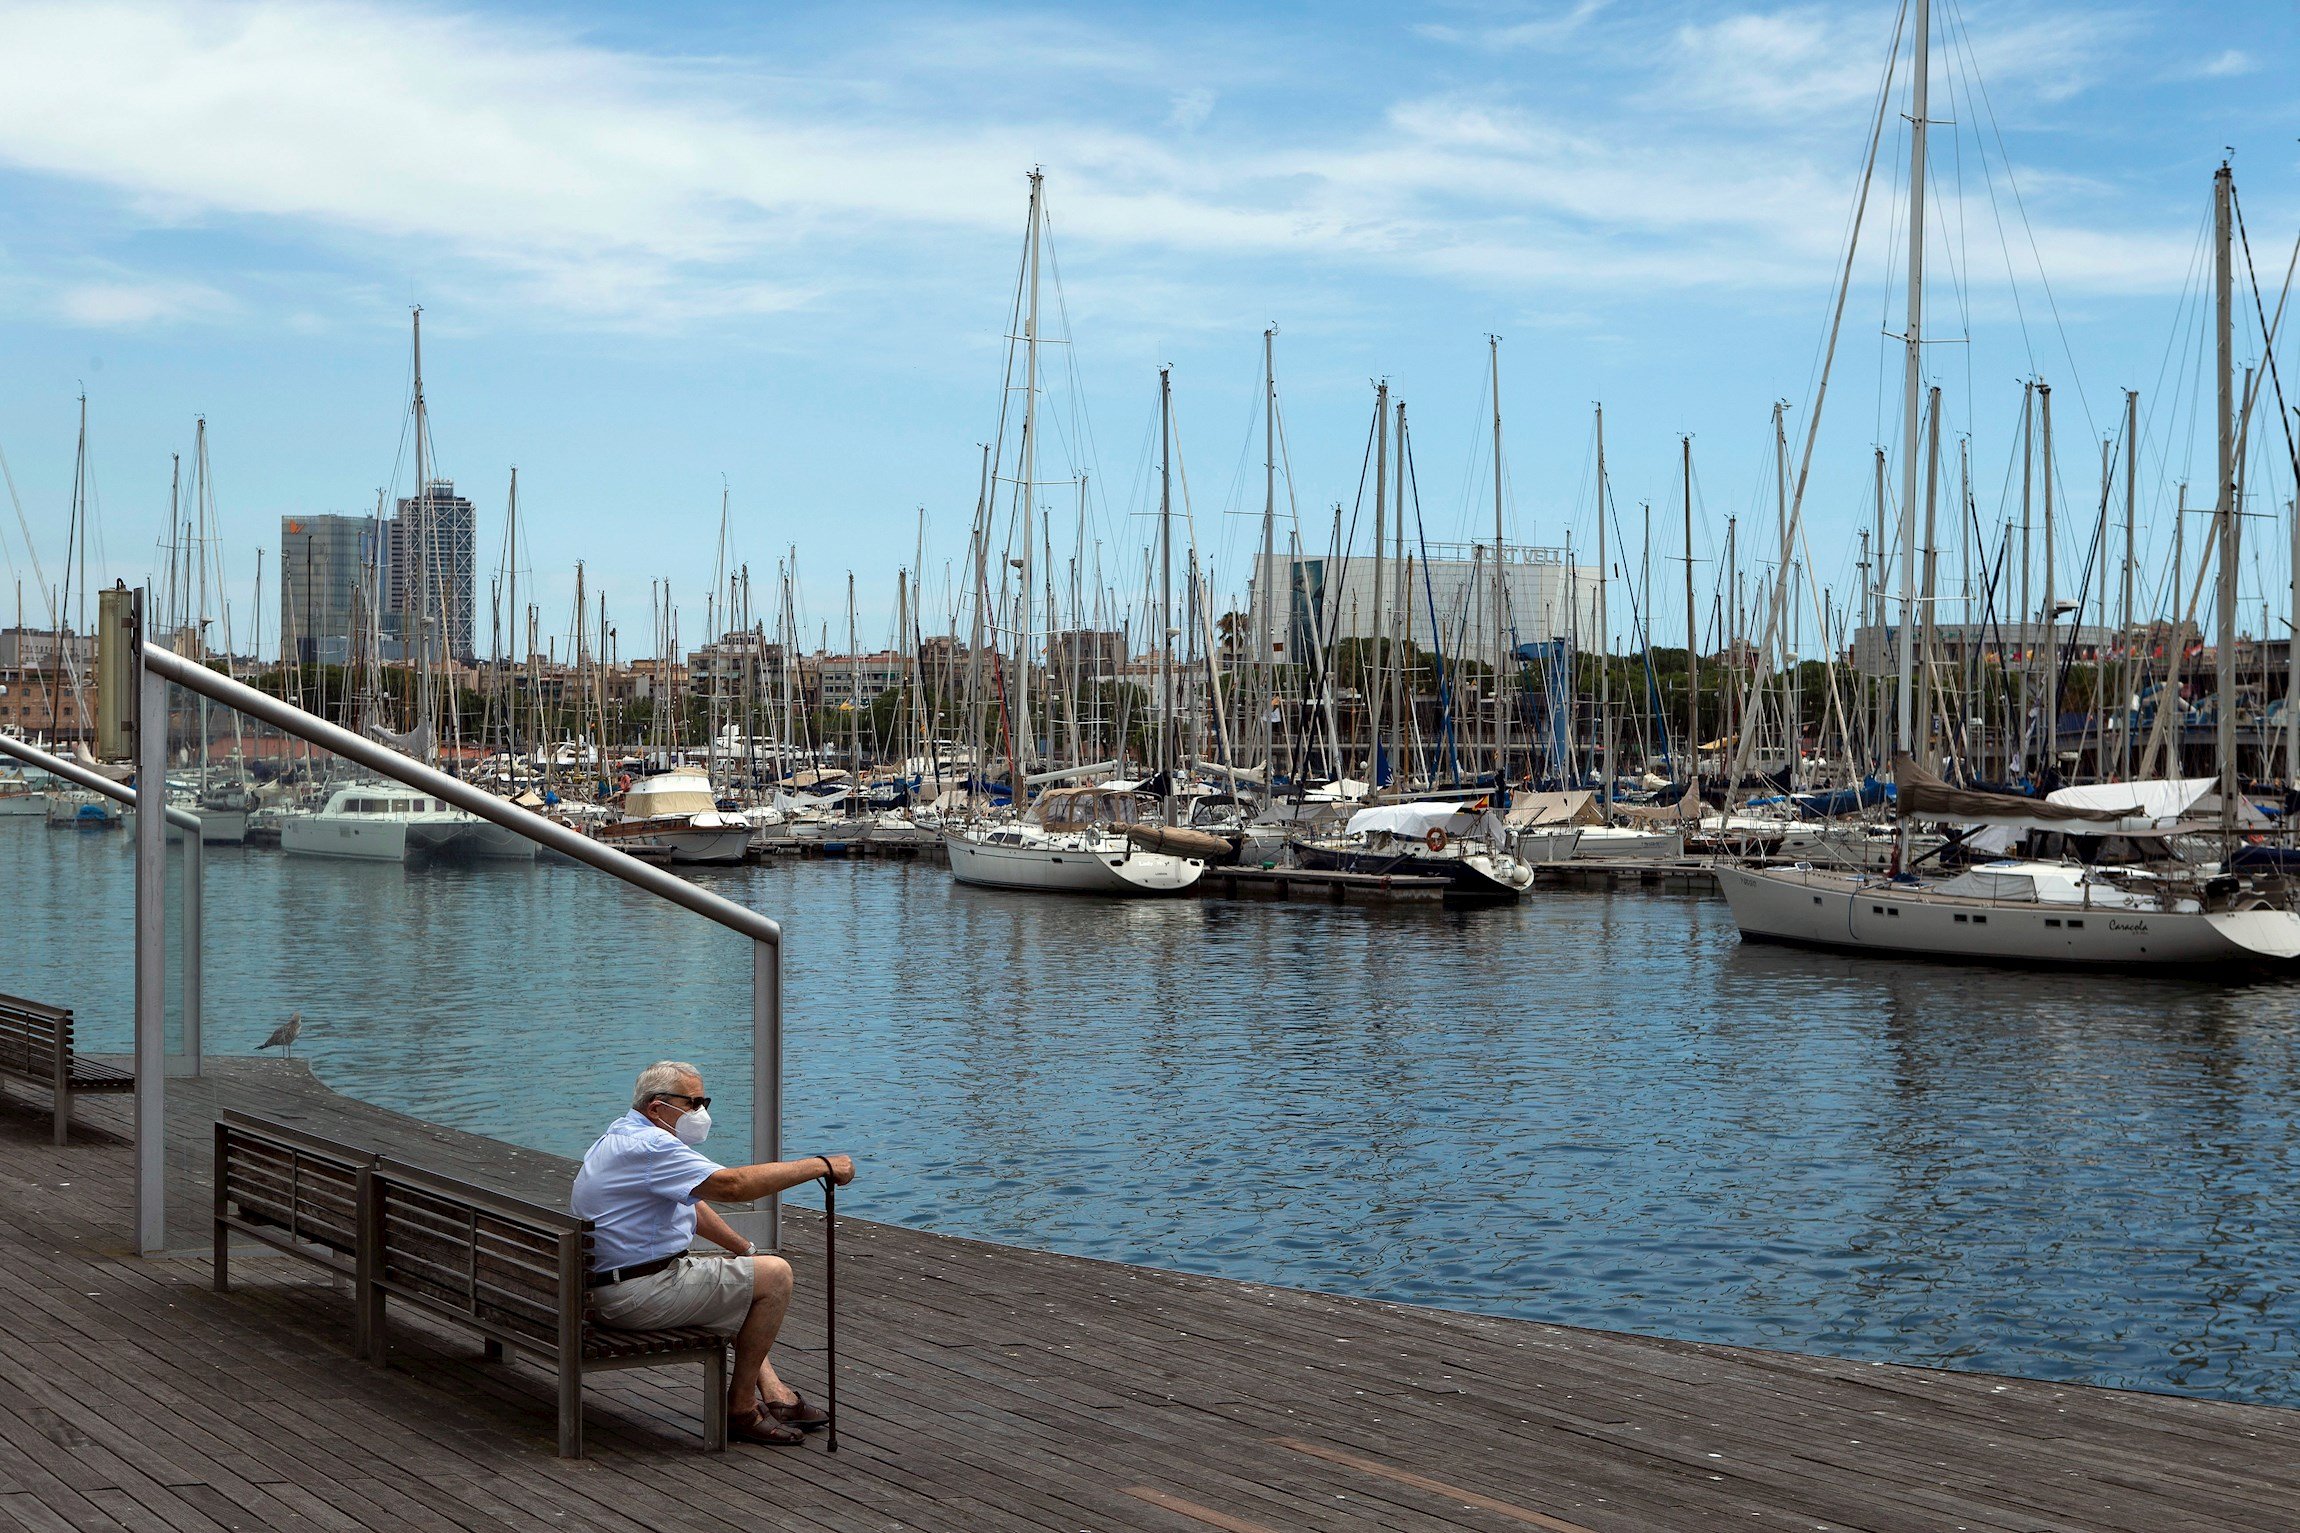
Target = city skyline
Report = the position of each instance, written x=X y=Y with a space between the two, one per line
x=793 y=289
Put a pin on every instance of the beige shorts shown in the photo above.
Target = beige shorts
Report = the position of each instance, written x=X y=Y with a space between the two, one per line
x=713 y=1292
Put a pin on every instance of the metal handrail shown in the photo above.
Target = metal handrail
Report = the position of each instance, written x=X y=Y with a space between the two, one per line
x=87 y=777
x=195 y=869
x=218 y=687
x=765 y=933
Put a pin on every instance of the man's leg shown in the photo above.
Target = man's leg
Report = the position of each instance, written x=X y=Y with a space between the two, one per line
x=770 y=1301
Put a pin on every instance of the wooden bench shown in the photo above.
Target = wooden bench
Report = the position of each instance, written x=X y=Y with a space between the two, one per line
x=513 y=1271
x=509 y=1269
x=295 y=1192
x=36 y=1046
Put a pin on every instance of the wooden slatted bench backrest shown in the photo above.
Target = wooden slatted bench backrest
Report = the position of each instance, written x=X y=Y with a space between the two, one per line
x=294 y=1191
x=504 y=1266
x=35 y=1040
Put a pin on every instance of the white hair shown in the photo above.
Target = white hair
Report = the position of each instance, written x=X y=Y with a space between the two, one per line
x=661 y=1079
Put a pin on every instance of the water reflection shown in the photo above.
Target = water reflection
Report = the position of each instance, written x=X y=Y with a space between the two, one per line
x=1602 y=1110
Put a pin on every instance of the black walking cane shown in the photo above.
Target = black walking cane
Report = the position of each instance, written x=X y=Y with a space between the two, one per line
x=831 y=1300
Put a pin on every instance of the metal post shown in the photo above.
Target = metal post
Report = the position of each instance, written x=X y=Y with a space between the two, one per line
x=195 y=873
x=763 y=1226
x=151 y=960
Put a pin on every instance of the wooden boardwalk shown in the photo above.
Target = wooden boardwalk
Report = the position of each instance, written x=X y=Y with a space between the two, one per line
x=987 y=1387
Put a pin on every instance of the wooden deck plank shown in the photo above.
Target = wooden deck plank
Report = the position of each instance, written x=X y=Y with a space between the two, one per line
x=990 y=1387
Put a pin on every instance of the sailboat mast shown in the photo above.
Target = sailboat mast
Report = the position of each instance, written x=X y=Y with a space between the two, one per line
x=1029 y=489
x=1692 y=646
x=1402 y=614
x=1372 y=654
x=420 y=552
x=1604 y=634
x=511 y=546
x=1166 y=577
x=1793 y=721
x=2225 y=500
x=1501 y=693
x=2125 y=688
x=1912 y=378
x=1266 y=587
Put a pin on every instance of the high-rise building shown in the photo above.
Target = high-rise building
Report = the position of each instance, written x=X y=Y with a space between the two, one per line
x=1545 y=598
x=324 y=566
x=431 y=571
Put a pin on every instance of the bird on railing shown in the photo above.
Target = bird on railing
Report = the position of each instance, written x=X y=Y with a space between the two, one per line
x=284 y=1036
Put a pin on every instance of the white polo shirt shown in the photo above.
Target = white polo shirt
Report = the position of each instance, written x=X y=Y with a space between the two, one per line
x=638 y=1187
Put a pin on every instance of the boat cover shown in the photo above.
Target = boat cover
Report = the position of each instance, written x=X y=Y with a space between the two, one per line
x=1418 y=820
x=2158 y=800
x=1923 y=795
x=1574 y=807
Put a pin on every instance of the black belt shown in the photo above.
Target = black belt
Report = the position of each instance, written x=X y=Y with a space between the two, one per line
x=625 y=1274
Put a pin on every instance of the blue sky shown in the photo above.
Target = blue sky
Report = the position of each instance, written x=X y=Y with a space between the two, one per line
x=773 y=248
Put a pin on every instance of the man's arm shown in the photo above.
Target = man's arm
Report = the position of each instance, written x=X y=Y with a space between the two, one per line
x=745 y=1184
x=718 y=1232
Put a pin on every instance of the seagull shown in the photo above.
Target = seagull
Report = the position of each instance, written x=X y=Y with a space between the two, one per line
x=284 y=1036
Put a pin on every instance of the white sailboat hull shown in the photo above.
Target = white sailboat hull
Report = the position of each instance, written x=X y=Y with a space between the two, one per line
x=1069 y=870
x=86 y=811
x=1623 y=843
x=23 y=805
x=362 y=838
x=218 y=827
x=1546 y=843
x=1812 y=908
x=711 y=838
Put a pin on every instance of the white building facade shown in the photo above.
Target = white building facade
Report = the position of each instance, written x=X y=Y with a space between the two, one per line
x=1544 y=597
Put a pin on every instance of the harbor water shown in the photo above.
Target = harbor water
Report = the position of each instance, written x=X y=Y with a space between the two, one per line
x=1596 y=1109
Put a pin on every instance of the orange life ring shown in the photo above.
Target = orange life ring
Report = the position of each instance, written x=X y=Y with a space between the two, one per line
x=1435 y=840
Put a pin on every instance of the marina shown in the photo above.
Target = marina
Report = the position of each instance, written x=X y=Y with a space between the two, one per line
x=1634 y=1122
x=761 y=912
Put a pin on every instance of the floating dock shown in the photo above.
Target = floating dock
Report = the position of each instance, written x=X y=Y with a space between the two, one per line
x=1687 y=875
x=985 y=1387
x=767 y=848
x=1321 y=887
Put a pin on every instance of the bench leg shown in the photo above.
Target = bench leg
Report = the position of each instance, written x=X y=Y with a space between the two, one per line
x=63 y=1115
x=715 y=1401
x=570 y=1407
x=369 y=1334
x=492 y=1350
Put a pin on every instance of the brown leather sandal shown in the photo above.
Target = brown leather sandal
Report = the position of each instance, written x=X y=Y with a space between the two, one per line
x=797 y=1413
x=751 y=1427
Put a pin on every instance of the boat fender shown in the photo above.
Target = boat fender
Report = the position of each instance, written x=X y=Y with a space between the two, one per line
x=1435 y=840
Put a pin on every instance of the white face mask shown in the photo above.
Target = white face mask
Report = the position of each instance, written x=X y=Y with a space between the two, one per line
x=693 y=1128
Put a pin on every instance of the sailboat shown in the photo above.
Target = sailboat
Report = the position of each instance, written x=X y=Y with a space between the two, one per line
x=1073 y=841
x=1079 y=839
x=2030 y=911
x=377 y=821
x=1465 y=844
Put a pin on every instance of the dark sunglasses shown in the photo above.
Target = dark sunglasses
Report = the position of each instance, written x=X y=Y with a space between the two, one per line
x=702 y=1104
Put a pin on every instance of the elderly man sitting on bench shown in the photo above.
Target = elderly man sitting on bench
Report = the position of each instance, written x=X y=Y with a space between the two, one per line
x=642 y=1186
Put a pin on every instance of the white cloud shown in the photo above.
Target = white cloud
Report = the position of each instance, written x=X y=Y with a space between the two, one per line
x=1191 y=109
x=1804 y=62
x=632 y=189
x=1551 y=27
x=133 y=304
x=2226 y=65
